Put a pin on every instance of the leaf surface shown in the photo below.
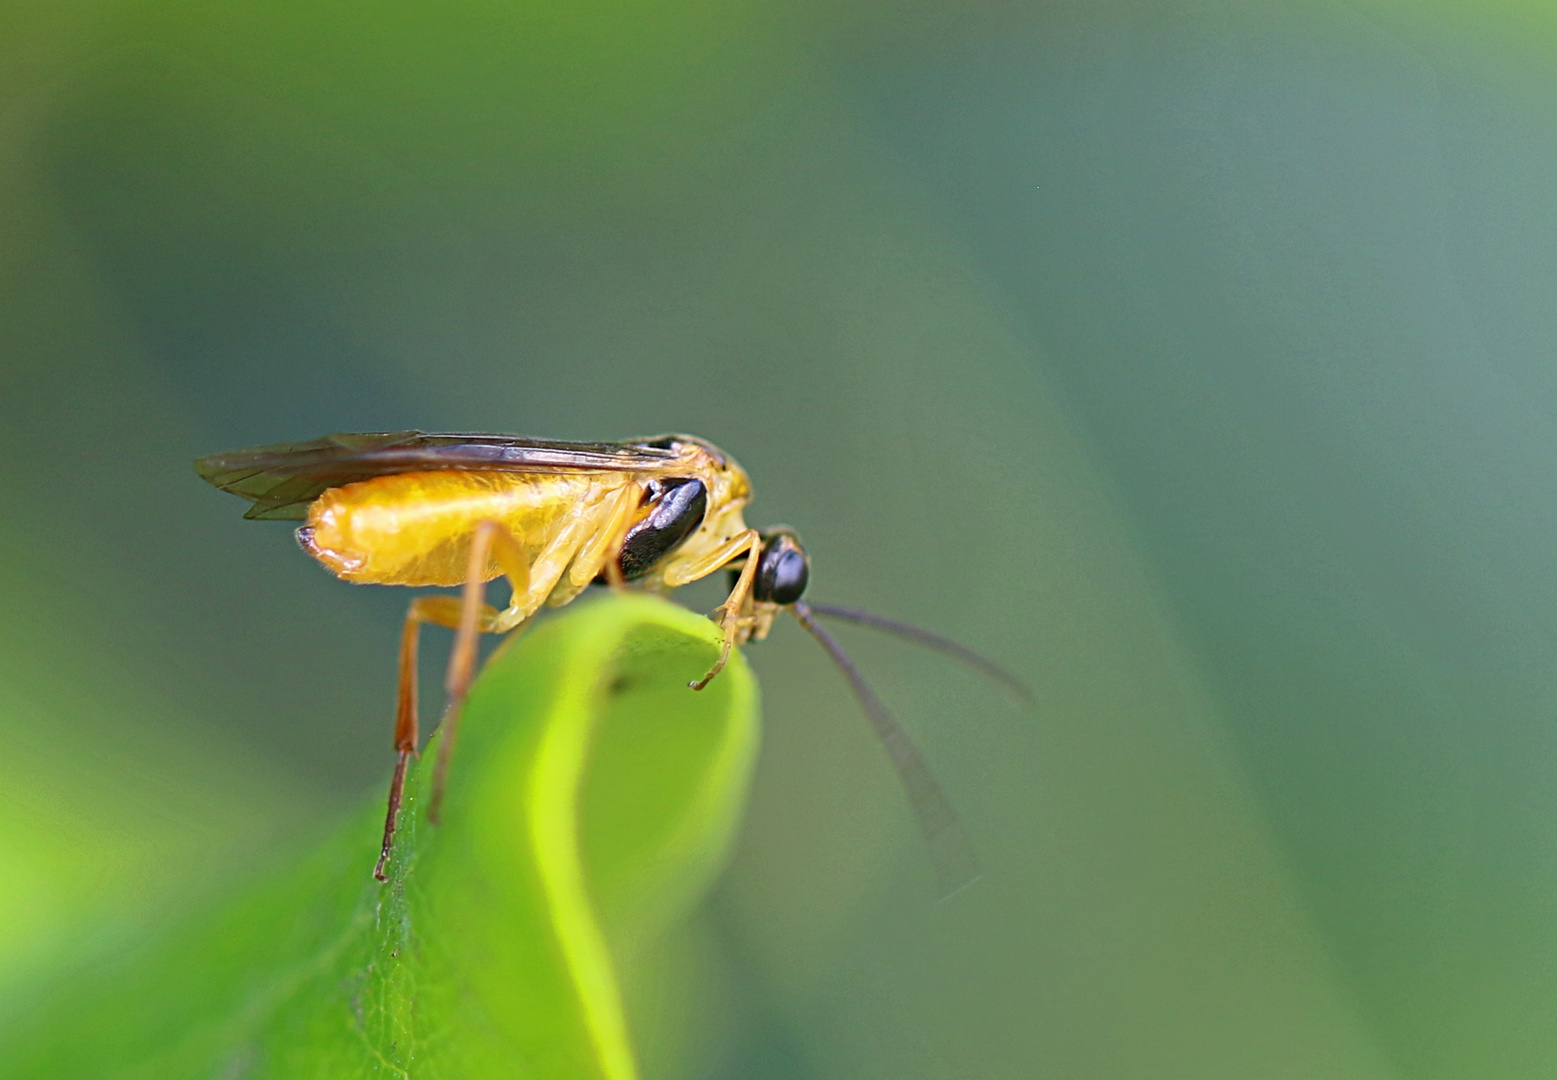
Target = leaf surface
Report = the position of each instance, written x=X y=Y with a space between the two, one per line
x=591 y=799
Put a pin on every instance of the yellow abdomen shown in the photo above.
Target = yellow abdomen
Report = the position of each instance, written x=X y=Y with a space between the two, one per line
x=415 y=528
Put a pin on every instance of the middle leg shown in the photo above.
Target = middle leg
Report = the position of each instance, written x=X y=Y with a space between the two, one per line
x=491 y=540
x=532 y=581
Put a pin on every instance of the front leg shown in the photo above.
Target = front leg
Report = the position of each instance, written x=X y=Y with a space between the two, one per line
x=730 y=612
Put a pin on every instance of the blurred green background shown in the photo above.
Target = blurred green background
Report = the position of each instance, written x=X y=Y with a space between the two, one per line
x=1194 y=359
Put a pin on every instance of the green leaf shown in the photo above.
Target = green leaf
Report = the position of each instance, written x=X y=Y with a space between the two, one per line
x=591 y=799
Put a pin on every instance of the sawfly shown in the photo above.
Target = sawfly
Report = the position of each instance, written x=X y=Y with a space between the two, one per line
x=408 y=508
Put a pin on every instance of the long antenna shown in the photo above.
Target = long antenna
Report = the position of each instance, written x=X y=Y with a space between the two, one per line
x=956 y=863
x=943 y=645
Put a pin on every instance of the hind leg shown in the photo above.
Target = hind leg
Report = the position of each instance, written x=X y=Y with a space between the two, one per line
x=443 y=611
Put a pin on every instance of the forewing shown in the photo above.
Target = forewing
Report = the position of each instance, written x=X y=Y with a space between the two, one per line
x=282 y=480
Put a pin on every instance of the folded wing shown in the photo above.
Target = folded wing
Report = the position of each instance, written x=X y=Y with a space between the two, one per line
x=282 y=480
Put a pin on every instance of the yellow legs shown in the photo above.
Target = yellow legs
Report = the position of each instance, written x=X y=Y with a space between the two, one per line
x=732 y=613
x=468 y=616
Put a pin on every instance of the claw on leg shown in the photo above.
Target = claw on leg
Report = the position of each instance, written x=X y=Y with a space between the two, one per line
x=724 y=655
x=396 y=787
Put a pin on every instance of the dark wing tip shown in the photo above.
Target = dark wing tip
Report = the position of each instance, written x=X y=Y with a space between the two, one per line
x=282 y=479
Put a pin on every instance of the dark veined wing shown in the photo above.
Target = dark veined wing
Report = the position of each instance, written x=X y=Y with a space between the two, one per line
x=282 y=480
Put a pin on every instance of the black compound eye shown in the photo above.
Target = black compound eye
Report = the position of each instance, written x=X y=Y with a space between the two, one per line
x=782 y=570
x=677 y=507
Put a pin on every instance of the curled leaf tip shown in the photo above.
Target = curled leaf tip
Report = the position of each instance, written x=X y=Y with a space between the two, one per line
x=592 y=799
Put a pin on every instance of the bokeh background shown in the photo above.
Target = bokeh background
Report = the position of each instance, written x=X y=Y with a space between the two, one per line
x=1196 y=359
